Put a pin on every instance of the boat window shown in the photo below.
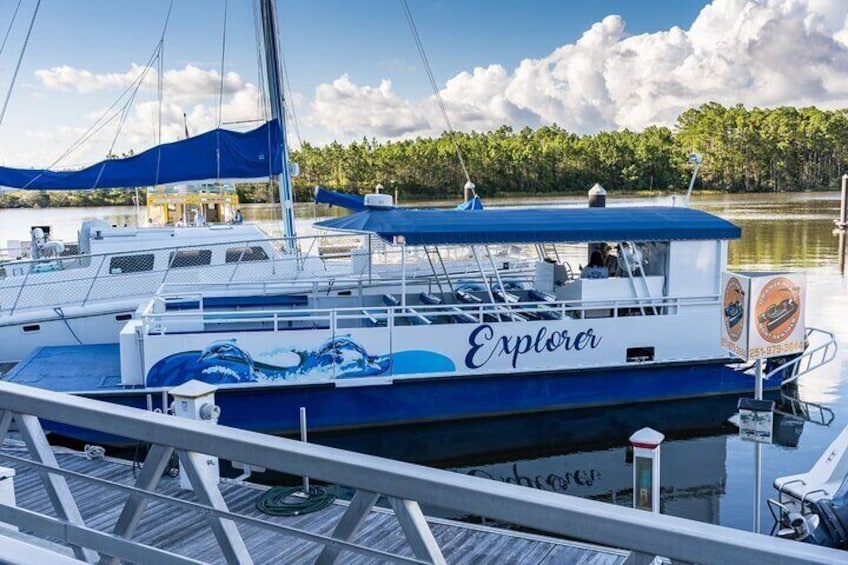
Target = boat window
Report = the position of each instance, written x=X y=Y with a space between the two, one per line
x=252 y=253
x=130 y=264
x=190 y=258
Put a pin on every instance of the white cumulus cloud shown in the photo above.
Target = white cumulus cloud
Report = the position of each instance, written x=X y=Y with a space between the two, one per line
x=755 y=52
x=190 y=82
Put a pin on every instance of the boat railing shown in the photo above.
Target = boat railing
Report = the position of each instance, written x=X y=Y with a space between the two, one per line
x=190 y=313
x=810 y=360
x=80 y=280
x=405 y=486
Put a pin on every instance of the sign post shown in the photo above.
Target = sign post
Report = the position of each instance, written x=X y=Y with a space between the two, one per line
x=762 y=317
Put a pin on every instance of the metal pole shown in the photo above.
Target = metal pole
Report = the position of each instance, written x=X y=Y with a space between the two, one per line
x=303 y=439
x=275 y=94
x=403 y=277
x=843 y=208
x=758 y=447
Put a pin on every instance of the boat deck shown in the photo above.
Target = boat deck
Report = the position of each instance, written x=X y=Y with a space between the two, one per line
x=70 y=368
x=179 y=530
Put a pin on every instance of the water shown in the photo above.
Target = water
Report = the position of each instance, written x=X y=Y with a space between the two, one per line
x=707 y=470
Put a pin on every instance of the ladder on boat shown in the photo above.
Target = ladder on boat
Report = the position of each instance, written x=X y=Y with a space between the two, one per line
x=548 y=251
x=631 y=270
x=431 y=252
x=807 y=411
x=810 y=360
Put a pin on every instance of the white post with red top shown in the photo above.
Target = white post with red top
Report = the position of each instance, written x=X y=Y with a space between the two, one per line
x=646 y=469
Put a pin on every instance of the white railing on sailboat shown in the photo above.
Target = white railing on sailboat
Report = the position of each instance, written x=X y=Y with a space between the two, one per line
x=80 y=280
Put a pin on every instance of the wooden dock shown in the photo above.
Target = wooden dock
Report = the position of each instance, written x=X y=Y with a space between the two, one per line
x=187 y=533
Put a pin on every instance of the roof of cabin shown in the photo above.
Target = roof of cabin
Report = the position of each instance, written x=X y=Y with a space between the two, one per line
x=534 y=225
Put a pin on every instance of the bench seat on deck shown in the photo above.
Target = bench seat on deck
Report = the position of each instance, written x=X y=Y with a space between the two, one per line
x=411 y=315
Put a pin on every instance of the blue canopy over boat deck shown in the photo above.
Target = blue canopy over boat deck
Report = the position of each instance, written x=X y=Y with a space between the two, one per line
x=530 y=225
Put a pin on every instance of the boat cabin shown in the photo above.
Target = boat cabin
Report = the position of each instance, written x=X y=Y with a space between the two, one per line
x=182 y=204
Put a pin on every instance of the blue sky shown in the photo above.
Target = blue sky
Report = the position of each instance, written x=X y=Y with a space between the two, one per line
x=584 y=64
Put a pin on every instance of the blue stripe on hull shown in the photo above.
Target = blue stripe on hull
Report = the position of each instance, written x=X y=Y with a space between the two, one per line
x=276 y=409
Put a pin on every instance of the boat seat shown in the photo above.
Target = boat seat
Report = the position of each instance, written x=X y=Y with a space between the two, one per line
x=372 y=319
x=509 y=298
x=411 y=315
x=455 y=314
x=461 y=317
x=467 y=297
x=505 y=297
x=429 y=299
x=539 y=296
x=492 y=314
x=543 y=311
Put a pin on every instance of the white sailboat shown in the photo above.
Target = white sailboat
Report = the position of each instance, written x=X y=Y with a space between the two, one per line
x=58 y=298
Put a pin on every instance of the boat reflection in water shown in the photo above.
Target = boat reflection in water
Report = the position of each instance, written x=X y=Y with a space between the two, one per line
x=581 y=452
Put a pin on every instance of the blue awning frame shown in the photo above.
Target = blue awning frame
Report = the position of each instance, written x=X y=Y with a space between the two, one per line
x=531 y=225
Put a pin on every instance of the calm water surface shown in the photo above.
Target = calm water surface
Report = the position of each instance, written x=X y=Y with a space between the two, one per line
x=707 y=471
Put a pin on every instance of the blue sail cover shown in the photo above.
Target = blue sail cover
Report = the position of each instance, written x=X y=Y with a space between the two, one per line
x=530 y=225
x=350 y=201
x=253 y=154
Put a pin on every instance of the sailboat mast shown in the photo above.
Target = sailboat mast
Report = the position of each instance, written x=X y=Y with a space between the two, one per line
x=275 y=92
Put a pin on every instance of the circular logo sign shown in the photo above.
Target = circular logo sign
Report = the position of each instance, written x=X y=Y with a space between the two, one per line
x=778 y=309
x=734 y=308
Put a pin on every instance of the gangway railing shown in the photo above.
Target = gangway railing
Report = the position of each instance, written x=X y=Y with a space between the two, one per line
x=405 y=485
x=810 y=360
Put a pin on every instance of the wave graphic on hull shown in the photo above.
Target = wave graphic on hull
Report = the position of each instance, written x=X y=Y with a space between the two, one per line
x=224 y=362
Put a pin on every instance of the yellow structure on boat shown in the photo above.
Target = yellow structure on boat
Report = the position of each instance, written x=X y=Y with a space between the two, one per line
x=182 y=204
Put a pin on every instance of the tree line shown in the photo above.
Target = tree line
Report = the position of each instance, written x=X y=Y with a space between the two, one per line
x=744 y=150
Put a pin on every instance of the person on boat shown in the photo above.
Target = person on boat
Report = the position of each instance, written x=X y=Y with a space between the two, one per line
x=596 y=268
x=610 y=261
x=239 y=217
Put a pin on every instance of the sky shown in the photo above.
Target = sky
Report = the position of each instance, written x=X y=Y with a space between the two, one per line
x=354 y=71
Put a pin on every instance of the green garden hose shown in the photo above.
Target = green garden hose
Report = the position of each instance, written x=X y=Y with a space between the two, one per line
x=275 y=501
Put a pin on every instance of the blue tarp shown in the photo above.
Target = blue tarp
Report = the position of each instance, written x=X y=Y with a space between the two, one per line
x=242 y=155
x=563 y=225
x=349 y=201
x=473 y=203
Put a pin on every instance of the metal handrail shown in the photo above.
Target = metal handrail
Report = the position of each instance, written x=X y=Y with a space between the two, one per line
x=559 y=514
x=158 y=320
x=826 y=353
x=91 y=271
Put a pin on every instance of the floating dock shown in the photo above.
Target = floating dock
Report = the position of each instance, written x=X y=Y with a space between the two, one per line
x=186 y=533
x=101 y=508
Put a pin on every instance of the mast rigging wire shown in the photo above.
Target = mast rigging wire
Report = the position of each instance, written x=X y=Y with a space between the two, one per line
x=20 y=60
x=223 y=55
x=9 y=29
x=105 y=117
x=221 y=92
x=434 y=86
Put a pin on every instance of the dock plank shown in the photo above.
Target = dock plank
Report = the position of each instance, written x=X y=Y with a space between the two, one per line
x=185 y=532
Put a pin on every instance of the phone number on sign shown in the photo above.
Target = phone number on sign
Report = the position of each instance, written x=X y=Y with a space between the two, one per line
x=778 y=349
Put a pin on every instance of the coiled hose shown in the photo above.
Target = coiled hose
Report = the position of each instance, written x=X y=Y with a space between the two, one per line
x=275 y=501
